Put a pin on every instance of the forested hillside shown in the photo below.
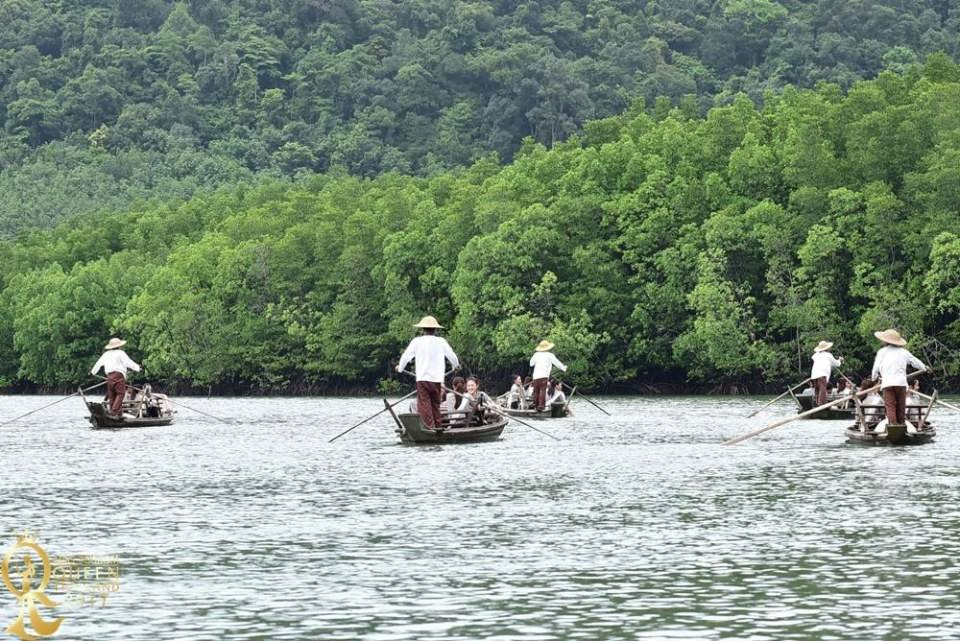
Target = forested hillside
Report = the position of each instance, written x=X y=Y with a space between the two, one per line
x=104 y=103
x=659 y=247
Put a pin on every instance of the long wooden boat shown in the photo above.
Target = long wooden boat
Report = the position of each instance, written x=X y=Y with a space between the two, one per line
x=147 y=410
x=457 y=427
x=553 y=411
x=806 y=402
x=869 y=431
x=527 y=411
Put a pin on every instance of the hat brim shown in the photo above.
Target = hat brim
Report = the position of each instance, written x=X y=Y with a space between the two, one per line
x=824 y=347
x=545 y=348
x=429 y=326
x=883 y=338
x=112 y=345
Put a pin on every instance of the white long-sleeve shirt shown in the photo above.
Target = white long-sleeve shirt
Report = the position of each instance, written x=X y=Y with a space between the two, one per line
x=823 y=364
x=891 y=365
x=114 y=360
x=429 y=352
x=543 y=362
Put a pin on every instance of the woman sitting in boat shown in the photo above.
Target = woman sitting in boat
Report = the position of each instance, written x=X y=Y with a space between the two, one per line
x=873 y=407
x=515 y=400
x=475 y=399
x=915 y=403
x=454 y=402
x=556 y=395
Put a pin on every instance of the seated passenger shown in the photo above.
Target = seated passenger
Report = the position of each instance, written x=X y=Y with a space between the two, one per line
x=454 y=397
x=873 y=406
x=475 y=399
x=557 y=396
x=516 y=400
x=915 y=404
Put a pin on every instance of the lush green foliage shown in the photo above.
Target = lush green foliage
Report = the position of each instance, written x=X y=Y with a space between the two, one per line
x=655 y=248
x=107 y=102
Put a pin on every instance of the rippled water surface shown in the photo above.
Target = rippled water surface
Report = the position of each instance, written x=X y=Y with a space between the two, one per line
x=635 y=526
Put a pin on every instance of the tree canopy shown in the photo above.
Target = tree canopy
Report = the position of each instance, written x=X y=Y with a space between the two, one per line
x=107 y=104
x=658 y=246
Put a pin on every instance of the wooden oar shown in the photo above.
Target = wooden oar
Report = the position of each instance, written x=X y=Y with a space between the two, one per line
x=587 y=398
x=838 y=401
x=569 y=398
x=789 y=389
x=944 y=403
x=371 y=417
x=79 y=391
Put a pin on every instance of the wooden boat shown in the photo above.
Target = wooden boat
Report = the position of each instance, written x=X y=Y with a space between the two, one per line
x=527 y=411
x=869 y=431
x=458 y=427
x=806 y=402
x=559 y=410
x=147 y=409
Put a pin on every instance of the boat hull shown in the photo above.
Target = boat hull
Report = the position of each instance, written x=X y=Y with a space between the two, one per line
x=554 y=411
x=414 y=431
x=893 y=435
x=805 y=403
x=101 y=420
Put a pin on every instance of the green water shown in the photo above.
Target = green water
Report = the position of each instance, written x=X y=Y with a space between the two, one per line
x=636 y=526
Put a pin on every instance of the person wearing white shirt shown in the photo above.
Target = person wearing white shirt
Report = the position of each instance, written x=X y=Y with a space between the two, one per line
x=429 y=352
x=543 y=362
x=115 y=364
x=891 y=366
x=823 y=364
x=515 y=398
x=557 y=397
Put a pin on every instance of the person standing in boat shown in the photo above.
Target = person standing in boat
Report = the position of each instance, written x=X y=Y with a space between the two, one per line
x=115 y=364
x=429 y=352
x=891 y=366
x=543 y=362
x=823 y=364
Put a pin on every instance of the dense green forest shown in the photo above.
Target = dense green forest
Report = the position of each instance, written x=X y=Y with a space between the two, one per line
x=107 y=103
x=660 y=246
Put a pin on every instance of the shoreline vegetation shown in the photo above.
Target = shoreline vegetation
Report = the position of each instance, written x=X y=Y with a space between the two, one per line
x=712 y=252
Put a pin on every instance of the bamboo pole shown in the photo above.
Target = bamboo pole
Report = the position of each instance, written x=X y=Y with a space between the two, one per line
x=789 y=391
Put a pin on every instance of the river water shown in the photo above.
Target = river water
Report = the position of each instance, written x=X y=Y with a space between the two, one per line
x=636 y=526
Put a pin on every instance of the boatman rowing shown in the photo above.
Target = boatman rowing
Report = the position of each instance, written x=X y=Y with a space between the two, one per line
x=115 y=364
x=891 y=366
x=543 y=362
x=823 y=364
x=429 y=352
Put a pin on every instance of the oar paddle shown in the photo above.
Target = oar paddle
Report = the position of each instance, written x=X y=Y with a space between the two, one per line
x=192 y=409
x=53 y=403
x=371 y=417
x=587 y=398
x=838 y=401
x=944 y=403
x=789 y=389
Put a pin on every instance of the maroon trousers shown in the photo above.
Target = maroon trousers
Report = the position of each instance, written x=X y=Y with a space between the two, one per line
x=540 y=393
x=820 y=390
x=895 y=403
x=116 y=390
x=428 y=403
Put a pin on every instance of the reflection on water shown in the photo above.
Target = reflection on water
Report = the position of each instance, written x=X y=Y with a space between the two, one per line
x=639 y=525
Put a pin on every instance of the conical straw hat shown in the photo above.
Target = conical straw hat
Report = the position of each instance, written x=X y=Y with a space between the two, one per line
x=428 y=322
x=544 y=346
x=823 y=346
x=891 y=337
x=115 y=343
